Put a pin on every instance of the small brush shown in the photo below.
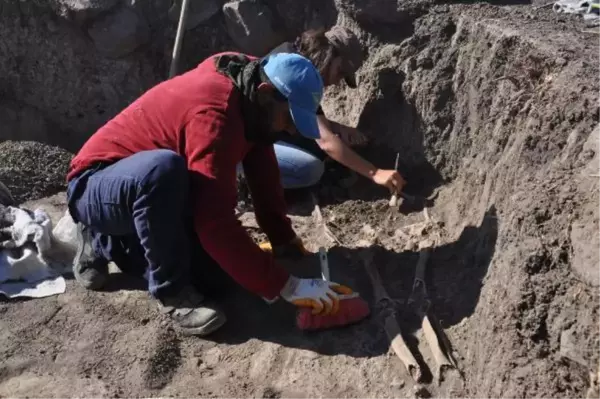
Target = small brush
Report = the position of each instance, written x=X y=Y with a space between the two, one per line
x=351 y=310
x=394 y=199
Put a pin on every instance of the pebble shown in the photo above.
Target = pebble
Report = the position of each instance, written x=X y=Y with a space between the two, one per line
x=397 y=383
x=561 y=61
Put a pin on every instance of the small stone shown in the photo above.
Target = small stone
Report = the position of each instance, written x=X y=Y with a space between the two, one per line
x=397 y=383
x=212 y=357
x=363 y=243
x=561 y=61
x=570 y=348
x=368 y=230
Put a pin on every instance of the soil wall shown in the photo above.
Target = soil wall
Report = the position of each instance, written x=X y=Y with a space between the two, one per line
x=501 y=102
x=68 y=66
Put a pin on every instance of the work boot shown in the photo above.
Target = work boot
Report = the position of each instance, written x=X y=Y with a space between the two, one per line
x=193 y=315
x=90 y=270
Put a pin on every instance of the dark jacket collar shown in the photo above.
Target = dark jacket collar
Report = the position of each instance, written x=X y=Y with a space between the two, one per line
x=244 y=72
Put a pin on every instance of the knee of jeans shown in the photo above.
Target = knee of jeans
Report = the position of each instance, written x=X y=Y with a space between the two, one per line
x=169 y=167
x=312 y=172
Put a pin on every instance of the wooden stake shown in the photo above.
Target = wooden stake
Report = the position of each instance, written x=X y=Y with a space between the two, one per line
x=392 y=329
x=438 y=349
x=439 y=356
x=178 y=39
x=390 y=324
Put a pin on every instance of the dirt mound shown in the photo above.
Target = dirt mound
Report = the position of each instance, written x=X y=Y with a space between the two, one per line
x=494 y=111
x=33 y=170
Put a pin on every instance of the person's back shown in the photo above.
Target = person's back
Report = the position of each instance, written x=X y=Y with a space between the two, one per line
x=157 y=184
x=158 y=118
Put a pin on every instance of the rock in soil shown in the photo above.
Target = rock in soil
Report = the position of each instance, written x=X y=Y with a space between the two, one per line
x=250 y=25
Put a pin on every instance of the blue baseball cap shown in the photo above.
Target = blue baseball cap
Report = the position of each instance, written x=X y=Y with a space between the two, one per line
x=296 y=78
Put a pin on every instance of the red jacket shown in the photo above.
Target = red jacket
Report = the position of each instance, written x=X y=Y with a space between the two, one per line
x=198 y=115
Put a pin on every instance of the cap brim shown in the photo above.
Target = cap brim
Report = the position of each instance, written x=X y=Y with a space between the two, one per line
x=351 y=81
x=305 y=121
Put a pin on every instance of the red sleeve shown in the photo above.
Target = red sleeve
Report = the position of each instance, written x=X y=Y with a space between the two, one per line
x=263 y=176
x=213 y=144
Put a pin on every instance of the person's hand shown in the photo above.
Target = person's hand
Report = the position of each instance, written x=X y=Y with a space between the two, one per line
x=390 y=179
x=293 y=249
x=320 y=295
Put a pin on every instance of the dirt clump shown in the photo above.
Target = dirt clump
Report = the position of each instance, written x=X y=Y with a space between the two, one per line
x=33 y=170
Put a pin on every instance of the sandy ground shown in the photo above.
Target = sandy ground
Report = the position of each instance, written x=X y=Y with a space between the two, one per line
x=495 y=113
x=115 y=343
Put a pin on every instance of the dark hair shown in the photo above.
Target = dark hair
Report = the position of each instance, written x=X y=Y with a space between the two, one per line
x=277 y=96
x=314 y=45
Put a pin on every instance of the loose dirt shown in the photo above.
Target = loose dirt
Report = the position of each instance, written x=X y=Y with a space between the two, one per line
x=32 y=169
x=494 y=111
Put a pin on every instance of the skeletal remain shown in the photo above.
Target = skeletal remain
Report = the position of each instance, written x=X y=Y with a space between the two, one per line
x=419 y=297
x=391 y=326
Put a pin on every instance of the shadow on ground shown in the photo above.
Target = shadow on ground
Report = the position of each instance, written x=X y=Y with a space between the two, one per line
x=340 y=184
x=455 y=276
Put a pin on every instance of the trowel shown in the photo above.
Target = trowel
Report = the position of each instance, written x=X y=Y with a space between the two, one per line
x=411 y=201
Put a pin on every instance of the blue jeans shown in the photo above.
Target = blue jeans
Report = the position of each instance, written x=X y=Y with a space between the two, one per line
x=299 y=168
x=139 y=215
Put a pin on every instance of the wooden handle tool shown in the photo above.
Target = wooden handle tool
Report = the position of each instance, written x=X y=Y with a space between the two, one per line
x=394 y=199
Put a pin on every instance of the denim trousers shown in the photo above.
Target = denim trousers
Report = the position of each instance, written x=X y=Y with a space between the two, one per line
x=298 y=167
x=138 y=211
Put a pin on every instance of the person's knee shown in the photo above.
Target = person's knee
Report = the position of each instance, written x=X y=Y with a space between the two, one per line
x=311 y=172
x=299 y=168
x=170 y=163
x=168 y=168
